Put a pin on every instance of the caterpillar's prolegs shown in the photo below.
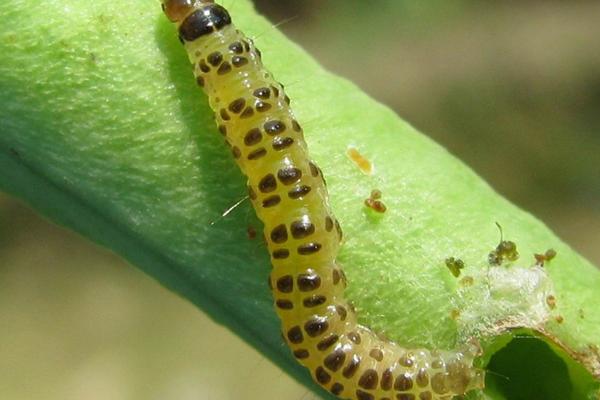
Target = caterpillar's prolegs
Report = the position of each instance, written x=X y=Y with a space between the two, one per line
x=288 y=193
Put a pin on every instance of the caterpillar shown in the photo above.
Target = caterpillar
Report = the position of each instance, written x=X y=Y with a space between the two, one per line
x=289 y=195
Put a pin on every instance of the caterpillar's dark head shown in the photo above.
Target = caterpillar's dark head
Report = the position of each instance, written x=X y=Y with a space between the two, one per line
x=196 y=17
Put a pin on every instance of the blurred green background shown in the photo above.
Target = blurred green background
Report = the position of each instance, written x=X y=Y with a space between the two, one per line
x=512 y=88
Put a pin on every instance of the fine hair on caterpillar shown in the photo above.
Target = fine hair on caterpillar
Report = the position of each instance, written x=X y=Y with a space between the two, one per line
x=289 y=194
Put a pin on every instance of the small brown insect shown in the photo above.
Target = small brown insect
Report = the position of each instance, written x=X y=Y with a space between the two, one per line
x=551 y=301
x=374 y=202
x=454 y=265
x=505 y=251
x=541 y=259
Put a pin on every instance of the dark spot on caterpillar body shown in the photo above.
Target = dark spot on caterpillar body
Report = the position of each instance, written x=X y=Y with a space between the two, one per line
x=337 y=276
x=316 y=326
x=239 y=61
x=405 y=396
x=252 y=137
x=289 y=175
x=256 y=154
x=308 y=248
x=322 y=376
x=246 y=45
x=285 y=284
x=426 y=395
x=274 y=127
x=284 y=304
x=376 y=354
x=301 y=229
x=280 y=254
x=328 y=342
x=301 y=354
x=271 y=201
x=237 y=105
x=275 y=90
x=342 y=312
x=299 y=192
x=314 y=300
x=355 y=337
x=308 y=282
x=203 y=66
x=407 y=360
x=352 y=366
x=335 y=360
x=267 y=183
x=295 y=335
x=280 y=143
x=328 y=224
x=337 y=388
x=251 y=193
x=262 y=93
x=403 y=382
x=368 y=379
x=236 y=47
x=247 y=113
x=422 y=377
x=289 y=194
x=279 y=234
x=296 y=126
x=224 y=115
x=262 y=106
x=225 y=68
x=387 y=379
x=360 y=395
x=215 y=58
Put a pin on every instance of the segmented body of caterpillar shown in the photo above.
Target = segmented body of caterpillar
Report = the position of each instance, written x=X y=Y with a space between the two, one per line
x=289 y=195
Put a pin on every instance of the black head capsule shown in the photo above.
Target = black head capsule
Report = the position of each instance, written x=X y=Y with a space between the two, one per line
x=203 y=21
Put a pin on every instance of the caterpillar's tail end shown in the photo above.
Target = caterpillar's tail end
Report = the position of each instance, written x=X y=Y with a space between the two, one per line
x=477 y=380
x=461 y=375
x=462 y=378
x=177 y=10
x=476 y=375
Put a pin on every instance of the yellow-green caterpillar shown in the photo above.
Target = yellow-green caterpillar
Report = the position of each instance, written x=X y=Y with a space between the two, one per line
x=289 y=195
